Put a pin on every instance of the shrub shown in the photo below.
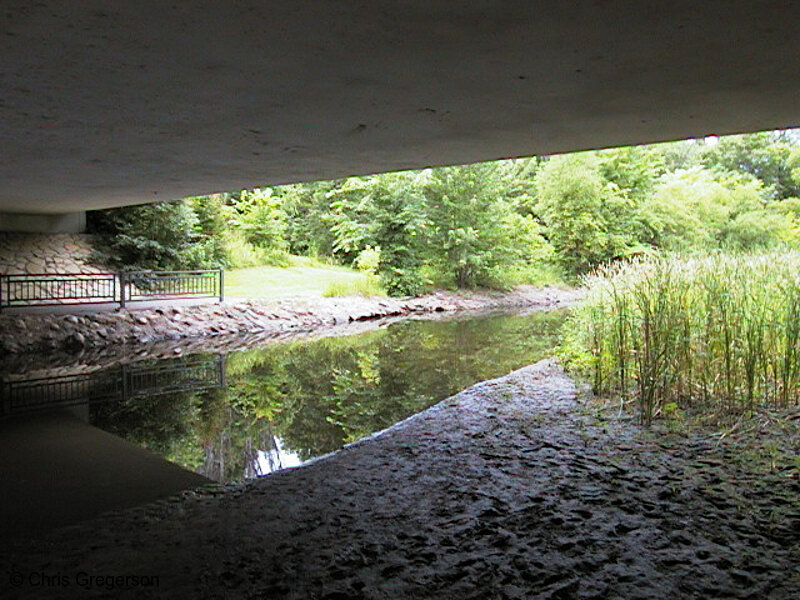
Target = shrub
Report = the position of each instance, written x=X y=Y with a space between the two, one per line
x=149 y=236
x=241 y=254
x=368 y=260
x=760 y=230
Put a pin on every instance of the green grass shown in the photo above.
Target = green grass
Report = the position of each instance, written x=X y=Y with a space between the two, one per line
x=717 y=337
x=303 y=276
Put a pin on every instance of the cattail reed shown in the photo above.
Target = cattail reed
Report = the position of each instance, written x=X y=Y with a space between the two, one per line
x=719 y=335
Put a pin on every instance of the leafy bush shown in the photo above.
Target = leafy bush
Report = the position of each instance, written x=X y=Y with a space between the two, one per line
x=368 y=260
x=156 y=236
x=588 y=219
x=760 y=230
x=241 y=254
x=691 y=209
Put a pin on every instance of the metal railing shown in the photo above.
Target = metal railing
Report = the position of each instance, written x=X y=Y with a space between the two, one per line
x=52 y=288
x=122 y=383
x=149 y=285
x=48 y=289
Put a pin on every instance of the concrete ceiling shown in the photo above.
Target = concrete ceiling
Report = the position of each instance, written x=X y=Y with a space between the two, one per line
x=109 y=103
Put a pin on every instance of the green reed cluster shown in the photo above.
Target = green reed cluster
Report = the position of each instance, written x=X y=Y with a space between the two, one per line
x=718 y=335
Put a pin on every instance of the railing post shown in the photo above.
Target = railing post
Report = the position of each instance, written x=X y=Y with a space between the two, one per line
x=222 y=372
x=1 y=293
x=124 y=375
x=121 y=289
x=221 y=285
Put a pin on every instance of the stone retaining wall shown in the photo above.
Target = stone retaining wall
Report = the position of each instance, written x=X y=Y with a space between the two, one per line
x=46 y=253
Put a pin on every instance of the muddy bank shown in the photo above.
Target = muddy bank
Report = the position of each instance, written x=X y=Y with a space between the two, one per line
x=511 y=489
x=72 y=332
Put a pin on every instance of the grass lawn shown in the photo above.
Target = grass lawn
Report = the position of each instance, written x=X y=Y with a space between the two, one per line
x=302 y=276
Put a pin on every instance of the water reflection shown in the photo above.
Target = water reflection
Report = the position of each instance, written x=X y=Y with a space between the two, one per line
x=22 y=394
x=263 y=409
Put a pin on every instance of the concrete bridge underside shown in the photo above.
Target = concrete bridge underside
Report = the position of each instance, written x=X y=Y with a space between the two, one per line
x=112 y=103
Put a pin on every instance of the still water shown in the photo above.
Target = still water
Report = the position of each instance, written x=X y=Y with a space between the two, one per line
x=251 y=412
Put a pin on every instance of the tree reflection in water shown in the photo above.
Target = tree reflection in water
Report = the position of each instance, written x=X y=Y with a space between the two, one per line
x=287 y=402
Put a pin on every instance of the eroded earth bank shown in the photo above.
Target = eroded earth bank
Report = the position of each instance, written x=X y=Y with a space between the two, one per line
x=514 y=488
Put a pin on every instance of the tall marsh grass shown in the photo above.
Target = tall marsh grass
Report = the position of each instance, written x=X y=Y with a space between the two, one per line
x=719 y=335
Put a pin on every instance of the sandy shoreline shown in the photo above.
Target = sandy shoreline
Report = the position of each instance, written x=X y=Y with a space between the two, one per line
x=510 y=489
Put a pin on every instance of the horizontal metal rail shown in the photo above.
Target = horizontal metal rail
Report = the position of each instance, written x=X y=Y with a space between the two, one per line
x=48 y=289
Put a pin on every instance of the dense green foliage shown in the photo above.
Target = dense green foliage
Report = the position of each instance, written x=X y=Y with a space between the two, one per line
x=239 y=230
x=263 y=223
x=150 y=236
x=589 y=219
x=718 y=335
x=489 y=224
x=475 y=233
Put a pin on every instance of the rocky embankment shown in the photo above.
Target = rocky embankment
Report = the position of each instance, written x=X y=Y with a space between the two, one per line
x=47 y=253
x=22 y=333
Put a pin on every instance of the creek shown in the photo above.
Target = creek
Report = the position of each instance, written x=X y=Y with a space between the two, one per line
x=247 y=413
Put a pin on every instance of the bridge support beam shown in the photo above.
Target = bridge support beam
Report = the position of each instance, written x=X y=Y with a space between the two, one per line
x=27 y=223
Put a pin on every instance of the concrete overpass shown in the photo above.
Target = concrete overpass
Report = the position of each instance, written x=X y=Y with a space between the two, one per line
x=111 y=103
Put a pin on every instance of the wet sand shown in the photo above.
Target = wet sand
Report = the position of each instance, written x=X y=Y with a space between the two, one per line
x=511 y=489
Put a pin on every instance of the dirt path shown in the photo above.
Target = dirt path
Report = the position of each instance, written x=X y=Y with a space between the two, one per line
x=507 y=490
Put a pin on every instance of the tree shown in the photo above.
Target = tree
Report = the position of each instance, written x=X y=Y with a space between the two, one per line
x=147 y=236
x=263 y=221
x=351 y=209
x=690 y=209
x=210 y=228
x=475 y=233
x=308 y=217
x=634 y=169
x=589 y=220
x=399 y=225
x=765 y=155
